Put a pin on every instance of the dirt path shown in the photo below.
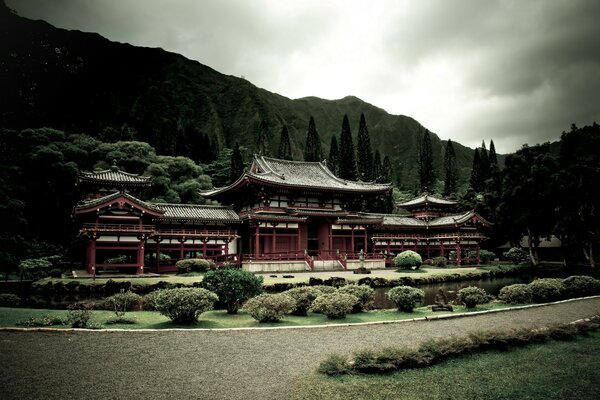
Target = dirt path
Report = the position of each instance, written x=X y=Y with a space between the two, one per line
x=245 y=364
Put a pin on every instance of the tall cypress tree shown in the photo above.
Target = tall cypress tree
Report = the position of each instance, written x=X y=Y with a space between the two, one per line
x=476 y=177
x=262 y=139
x=387 y=173
x=312 y=150
x=377 y=167
x=236 y=168
x=484 y=163
x=492 y=157
x=364 y=152
x=347 y=155
x=426 y=173
x=333 y=161
x=450 y=169
x=285 y=147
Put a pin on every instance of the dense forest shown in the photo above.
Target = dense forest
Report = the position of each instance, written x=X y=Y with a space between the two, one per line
x=75 y=101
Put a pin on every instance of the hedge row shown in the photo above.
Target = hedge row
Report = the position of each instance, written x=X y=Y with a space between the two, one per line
x=437 y=350
x=550 y=289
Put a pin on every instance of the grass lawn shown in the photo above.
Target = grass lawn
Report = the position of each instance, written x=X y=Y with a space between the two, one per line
x=215 y=319
x=554 y=370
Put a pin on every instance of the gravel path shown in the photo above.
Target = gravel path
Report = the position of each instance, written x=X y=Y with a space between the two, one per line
x=242 y=364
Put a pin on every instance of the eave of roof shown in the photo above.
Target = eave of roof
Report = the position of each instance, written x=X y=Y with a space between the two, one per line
x=102 y=202
x=426 y=199
x=115 y=176
x=196 y=212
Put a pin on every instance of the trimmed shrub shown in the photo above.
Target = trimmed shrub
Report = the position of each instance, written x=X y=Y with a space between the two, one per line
x=149 y=301
x=79 y=315
x=55 y=273
x=546 y=289
x=233 y=286
x=334 y=305
x=269 y=307
x=581 y=285
x=9 y=300
x=324 y=289
x=485 y=256
x=472 y=295
x=518 y=293
x=335 y=364
x=194 y=264
x=440 y=261
x=184 y=305
x=406 y=298
x=363 y=293
x=516 y=255
x=408 y=259
x=120 y=303
x=303 y=298
x=42 y=321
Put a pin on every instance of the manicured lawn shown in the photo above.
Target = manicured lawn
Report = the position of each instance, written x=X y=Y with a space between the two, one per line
x=554 y=370
x=9 y=317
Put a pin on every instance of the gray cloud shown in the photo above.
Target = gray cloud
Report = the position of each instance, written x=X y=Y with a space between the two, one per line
x=515 y=71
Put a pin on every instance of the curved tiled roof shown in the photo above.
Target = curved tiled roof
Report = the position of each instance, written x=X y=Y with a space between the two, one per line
x=299 y=174
x=114 y=176
x=196 y=212
x=427 y=199
x=114 y=196
x=392 y=220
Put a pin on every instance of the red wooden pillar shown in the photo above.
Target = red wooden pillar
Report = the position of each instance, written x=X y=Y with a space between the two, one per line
x=157 y=255
x=181 y=248
x=458 y=254
x=91 y=256
x=478 y=258
x=442 y=250
x=428 y=252
x=140 y=257
x=274 y=239
x=256 y=241
x=330 y=238
x=204 y=242
x=299 y=248
x=352 y=240
x=365 y=239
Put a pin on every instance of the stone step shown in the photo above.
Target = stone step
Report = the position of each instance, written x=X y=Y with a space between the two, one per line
x=328 y=265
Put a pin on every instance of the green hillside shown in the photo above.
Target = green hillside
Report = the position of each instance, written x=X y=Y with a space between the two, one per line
x=83 y=83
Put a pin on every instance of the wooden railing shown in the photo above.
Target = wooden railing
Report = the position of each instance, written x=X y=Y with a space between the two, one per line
x=402 y=236
x=196 y=233
x=134 y=228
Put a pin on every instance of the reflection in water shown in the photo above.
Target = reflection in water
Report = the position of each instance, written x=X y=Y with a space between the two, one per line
x=491 y=286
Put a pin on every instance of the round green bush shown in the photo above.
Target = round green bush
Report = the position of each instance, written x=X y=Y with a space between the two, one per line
x=269 y=307
x=149 y=301
x=303 y=297
x=325 y=289
x=79 y=315
x=334 y=305
x=406 y=298
x=194 y=264
x=233 y=286
x=580 y=286
x=472 y=295
x=122 y=302
x=408 y=259
x=440 y=261
x=518 y=293
x=9 y=300
x=184 y=305
x=363 y=293
x=546 y=289
x=516 y=255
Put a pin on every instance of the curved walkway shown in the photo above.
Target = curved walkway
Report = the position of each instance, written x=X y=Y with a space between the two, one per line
x=242 y=364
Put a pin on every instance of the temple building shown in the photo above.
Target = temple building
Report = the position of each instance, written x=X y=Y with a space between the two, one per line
x=278 y=216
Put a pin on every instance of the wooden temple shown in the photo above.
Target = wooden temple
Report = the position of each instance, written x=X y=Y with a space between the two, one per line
x=278 y=216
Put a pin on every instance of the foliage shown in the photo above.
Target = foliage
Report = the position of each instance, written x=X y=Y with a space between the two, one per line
x=312 y=150
x=149 y=300
x=42 y=321
x=285 y=147
x=325 y=289
x=335 y=364
x=440 y=261
x=364 y=153
x=334 y=305
x=425 y=164
x=518 y=293
x=79 y=315
x=333 y=160
x=546 y=289
x=194 y=264
x=236 y=167
x=485 y=256
x=184 y=305
x=233 y=286
x=363 y=293
x=516 y=255
x=32 y=267
x=269 y=307
x=406 y=298
x=580 y=286
x=347 y=156
x=472 y=296
x=303 y=297
x=450 y=170
x=120 y=303
x=9 y=300
x=408 y=259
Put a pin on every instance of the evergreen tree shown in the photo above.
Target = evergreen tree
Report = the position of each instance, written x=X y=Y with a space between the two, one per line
x=236 y=168
x=450 y=169
x=387 y=173
x=347 y=155
x=426 y=173
x=484 y=163
x=377 y=167
x=364 y=152
x=492 y=157
x=262 y=139
x=285 y=147
x=312 y=150
x=333 y=161
x=476 y=177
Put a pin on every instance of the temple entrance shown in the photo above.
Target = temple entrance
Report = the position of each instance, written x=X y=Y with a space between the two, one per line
x=318 y=235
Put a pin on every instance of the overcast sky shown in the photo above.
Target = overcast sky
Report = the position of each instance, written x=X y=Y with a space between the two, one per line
x=513 y=71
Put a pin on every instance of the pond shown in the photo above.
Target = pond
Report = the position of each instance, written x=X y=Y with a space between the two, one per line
x=491 y=286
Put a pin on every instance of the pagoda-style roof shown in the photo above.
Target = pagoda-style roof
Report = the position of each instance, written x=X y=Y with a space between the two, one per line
x=119 y=198
x=197 y=213
x=313 y=176
x=396 y=221
x=114 y=176
x=425 y=200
